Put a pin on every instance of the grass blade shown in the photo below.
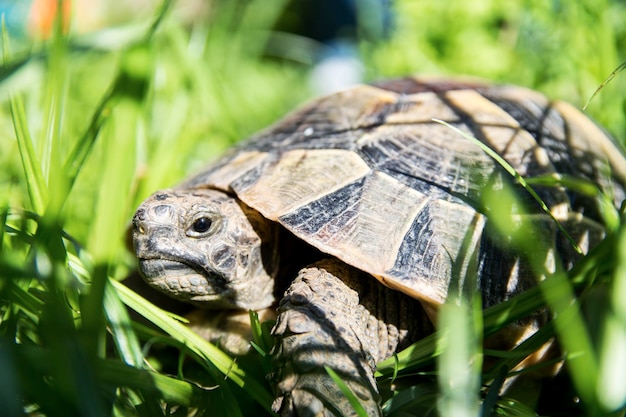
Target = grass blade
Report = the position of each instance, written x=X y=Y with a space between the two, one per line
x=151 y=384
x=82 y=148
x=518 y=178
x=617 y=70
x=496 y=317
x=30 y=163
x=124 y=337
x=196 y=345
x=460 y=361
x=32 y=168
x=354 y=401
x=611 y=389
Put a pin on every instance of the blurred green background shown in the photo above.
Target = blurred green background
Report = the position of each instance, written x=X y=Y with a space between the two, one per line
x=113 y=100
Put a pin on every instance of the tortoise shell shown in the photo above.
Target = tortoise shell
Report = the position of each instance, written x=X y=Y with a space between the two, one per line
x=366 y=175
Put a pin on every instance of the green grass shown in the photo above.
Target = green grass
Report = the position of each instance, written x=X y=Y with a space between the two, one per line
x=93 y=123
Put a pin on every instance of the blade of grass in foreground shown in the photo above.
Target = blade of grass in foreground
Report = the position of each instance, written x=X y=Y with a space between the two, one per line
x=611 y=389
x=345 y=390
x=417 y=400
x=113 y=372
x=125 y=339
x=608 y=212
x=521 y=180
x=619 y=69
x=81 y=149
x=460 y=361
x=496 y=317
x=32 y=169
x=560 y=297
x=198 y=346
x=30 y=163
x=149 y=383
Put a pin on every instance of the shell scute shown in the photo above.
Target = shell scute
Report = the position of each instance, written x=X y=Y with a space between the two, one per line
x=367 y=176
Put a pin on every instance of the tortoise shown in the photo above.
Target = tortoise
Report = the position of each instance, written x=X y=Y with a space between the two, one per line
x=360 y=213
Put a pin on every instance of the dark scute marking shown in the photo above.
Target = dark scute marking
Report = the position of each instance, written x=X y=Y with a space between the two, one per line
x=500 y=260
x=540 y=119
x=502 y=271
x=495 y=266
x=552 y=133
x=326 y=134
x=547 y=127
x=325 y=123
x=529 y=114
x=414 y=256
x=411 y=85
x=252 y=176
x=334 y=209
x=433 y=189
x=161 y=196
x=417 y=156
x=320 y=125
x=298 y=140
x=544 y=124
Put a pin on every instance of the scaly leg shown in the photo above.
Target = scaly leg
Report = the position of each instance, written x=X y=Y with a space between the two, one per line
x=336 y=316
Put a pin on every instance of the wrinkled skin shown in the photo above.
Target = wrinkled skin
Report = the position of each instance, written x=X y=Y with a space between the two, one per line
x=205 y=247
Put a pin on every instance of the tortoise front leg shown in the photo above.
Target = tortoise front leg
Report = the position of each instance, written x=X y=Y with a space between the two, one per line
x=336 y=316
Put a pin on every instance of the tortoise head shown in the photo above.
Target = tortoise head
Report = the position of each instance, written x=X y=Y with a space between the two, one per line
x=205 y=247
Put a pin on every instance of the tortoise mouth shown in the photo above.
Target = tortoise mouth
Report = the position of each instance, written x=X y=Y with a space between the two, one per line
x=181 y=280
x=159 y=268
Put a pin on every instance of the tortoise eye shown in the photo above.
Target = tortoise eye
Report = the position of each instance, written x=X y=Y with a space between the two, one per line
x=201 y=225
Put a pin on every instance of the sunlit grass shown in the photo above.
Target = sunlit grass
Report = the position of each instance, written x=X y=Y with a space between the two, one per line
x=93 y=123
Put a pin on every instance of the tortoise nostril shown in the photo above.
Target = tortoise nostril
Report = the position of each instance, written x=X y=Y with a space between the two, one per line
x=138 y=221
x=140 y=214
x=149 y=217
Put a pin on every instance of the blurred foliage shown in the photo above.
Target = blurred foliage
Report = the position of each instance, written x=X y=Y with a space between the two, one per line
x=97 y=115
